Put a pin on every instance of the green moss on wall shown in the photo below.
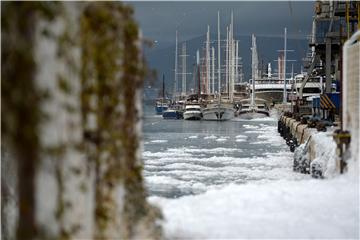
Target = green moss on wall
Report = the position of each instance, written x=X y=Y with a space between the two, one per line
x=112 y=73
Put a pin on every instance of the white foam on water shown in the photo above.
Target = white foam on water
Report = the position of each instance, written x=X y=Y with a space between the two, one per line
x=166 y=160
x=221 y=139
x=276 y=159
x=254 y=131
x=185 y=166
x=265 y=119
x=208 y=150
x=241 y=136
x=267 y=143
x=219 y=166
x=269 y=136
x=307 y=209
x=183 y=150
x=162 y=180
x=193 y=137
x=247 y=197
x=246 y=126
x=262 y=137
x=184 y=155
x=232 y=174
x=159 y=141
x=210 y=137
x=165 y=154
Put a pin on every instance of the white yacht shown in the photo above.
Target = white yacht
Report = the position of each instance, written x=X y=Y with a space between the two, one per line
x=272 y=90
x=253 y=107
x=218 y=111
x=192 y=112
x=257 y=109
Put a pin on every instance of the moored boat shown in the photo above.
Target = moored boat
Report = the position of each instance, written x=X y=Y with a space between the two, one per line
x=162 y=103
x=172 y=114
x=192 y=112
x=257 y=109
x=218 y=112
x=253 y=107
x=161 y=106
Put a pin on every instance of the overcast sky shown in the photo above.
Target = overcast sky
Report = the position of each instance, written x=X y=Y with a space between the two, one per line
x=159 y=20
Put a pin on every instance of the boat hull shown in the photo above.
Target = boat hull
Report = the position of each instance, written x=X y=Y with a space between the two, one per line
x=192 y=115
x=270 y=97
x=218 y=114
x=172 y=114
x=159 y=110
x=253 y=114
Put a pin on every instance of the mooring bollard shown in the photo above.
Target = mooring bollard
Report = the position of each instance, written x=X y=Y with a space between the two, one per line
x=342 y=139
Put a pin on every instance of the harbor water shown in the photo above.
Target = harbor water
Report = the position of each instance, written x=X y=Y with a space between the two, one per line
x=190 y=157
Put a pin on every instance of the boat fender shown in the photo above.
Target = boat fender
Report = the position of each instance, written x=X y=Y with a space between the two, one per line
x=293 y=144
x=279 y=126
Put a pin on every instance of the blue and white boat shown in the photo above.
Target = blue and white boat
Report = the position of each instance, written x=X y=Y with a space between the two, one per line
x=162 y=104
x=173 y=112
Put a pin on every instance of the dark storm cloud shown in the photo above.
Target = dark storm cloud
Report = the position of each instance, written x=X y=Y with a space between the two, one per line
x=159 y=20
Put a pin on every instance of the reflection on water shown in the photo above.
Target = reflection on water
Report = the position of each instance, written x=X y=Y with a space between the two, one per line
x=189 y=157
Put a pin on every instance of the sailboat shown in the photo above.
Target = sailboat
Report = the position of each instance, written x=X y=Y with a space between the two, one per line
x=162 y=103
x=253 y=107
x=219 y=110
x=175 y=110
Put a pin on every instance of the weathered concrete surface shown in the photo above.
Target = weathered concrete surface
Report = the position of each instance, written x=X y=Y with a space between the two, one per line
x=303 y=133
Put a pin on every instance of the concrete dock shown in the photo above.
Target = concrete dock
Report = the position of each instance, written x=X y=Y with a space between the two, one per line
x=317 y=147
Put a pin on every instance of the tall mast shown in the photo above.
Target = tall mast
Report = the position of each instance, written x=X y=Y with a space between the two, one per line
x=183 y=88
x=163 y=86
x=176 y=63
x=254 y=66
x=208 y=60
x=219 y=72
x=198 y=72
x=284 y=69
x=293 y=84
x=227 y=60
x=232 y=58
x=230 y=61
x=237 y=62
x=232 y=25
x=269 y=70
x=213 y=70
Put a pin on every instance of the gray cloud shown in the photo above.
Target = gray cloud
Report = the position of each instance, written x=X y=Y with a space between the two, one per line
x=158 y=20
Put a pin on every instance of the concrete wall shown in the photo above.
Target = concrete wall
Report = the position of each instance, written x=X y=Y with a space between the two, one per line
x=321 y=147
x=351 y=98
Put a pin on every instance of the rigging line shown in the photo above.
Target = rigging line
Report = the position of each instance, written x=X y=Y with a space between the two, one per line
x=332 y=18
